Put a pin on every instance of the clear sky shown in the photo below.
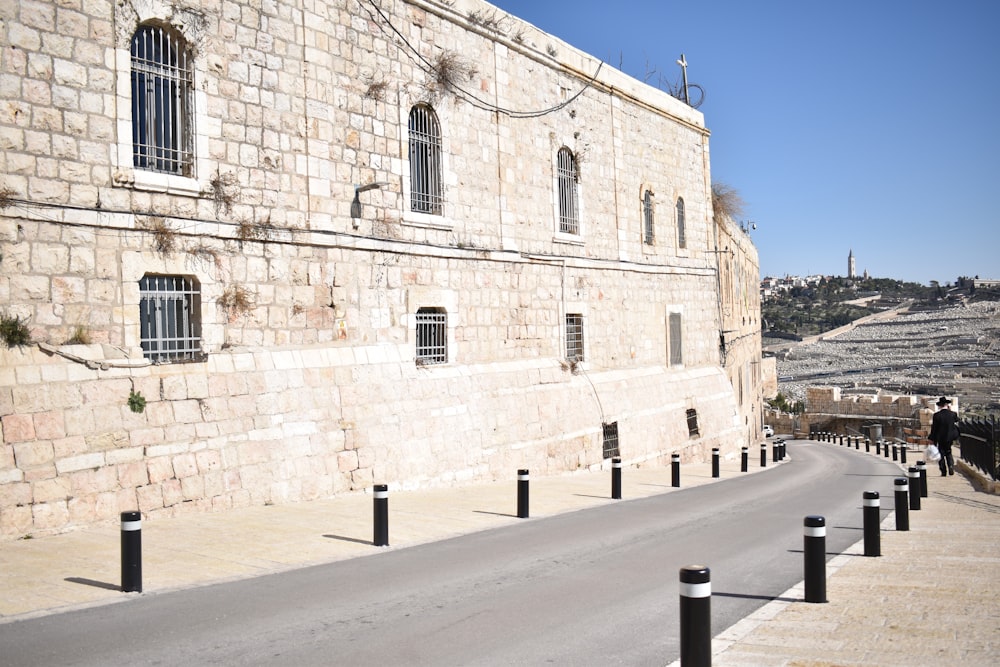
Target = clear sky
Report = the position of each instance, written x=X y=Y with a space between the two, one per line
x=864 y=125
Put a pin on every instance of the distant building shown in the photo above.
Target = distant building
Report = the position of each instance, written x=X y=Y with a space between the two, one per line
x=850 y=265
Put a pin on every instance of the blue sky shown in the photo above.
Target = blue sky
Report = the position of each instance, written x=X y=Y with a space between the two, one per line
x=871 y=125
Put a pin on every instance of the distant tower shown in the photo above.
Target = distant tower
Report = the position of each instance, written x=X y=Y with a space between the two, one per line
x=850 y=264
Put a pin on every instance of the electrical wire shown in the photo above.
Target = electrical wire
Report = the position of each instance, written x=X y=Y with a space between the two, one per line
x=466 y=95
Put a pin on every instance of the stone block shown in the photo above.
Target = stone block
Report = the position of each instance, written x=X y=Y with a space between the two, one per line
x=131 y=475
x=33 y=454
x=149 y=498
x=80 y=462
x=49 y=425
x=172 y=494
x=15 y=521
x=48 y=490
x=185 y=465
x=50 y=516
x=18 y=428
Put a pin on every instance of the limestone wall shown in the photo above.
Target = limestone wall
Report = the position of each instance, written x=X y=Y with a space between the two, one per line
x=308 y=385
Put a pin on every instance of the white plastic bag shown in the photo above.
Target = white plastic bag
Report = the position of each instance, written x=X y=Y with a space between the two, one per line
x=932 y=454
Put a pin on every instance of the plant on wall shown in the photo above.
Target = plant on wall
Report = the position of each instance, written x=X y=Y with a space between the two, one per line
x=237 y=301
x=136 y=402
x=225 y=188
x=14 y=331
x=81 y=336
x=164 y=238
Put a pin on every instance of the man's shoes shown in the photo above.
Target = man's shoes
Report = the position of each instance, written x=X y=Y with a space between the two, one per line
x=944 y=474
x=951 y=472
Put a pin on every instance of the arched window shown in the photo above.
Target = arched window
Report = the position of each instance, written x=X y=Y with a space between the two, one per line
x=681 y=237
x=425 y=161
x=569 y=204
x=162 y=85
x=647 y=217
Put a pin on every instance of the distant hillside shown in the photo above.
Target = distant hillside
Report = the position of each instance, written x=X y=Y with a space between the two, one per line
x=833 y=302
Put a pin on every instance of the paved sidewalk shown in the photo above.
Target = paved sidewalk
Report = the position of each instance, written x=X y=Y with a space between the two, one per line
x=930 y=599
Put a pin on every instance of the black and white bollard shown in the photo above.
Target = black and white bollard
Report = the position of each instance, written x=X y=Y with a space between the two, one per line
x=675 y=470
x=814 y=550
x=616 y=479
x=873 y=540
x=380 y=515
x=914 y=476
x=868 y=445
x=922 y=469
x=715 y=461
x=696 y=616
x=885 y=448
x=745 y=459
x=857 y=443
x=902 y=453
x=902 y=503
x=522 y=493
x=895 y=452
x=131 y=552
x=763 y=455
x=878 y=447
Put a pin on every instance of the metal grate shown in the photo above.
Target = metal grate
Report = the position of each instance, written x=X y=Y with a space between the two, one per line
x=169 y=318
x=681 y=234
x=569 y=209
x=610 y=449
x=676 y=342
x=162 y=77
x=692 y=420
x=574 y=337
x=432 y=336
x=647 y=217
x=425 y=161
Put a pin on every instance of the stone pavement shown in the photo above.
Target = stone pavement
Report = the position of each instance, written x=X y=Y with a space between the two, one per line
x=929 y=599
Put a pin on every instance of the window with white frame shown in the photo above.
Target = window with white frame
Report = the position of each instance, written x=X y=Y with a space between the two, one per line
x=162 y=114
x=431 y=336
x=569 y=197
x=574 y=337
x=675 y=339
x=170 y=318
x=425 y=161
x=647 y=217
x=681 y=233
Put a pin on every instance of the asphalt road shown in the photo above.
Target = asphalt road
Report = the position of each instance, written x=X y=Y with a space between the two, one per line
x=596 y=586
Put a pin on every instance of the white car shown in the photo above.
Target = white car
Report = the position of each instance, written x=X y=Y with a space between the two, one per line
x=768 y=431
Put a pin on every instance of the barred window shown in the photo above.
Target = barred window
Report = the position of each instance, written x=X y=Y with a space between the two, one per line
x=692 y=421
x=574 y=337
x=569 y=198
x=432 y=336
x=170 y=318
x=162 y=85
x=610 y=445
x=681 y=234
x=425 y=161
x=676 y=341
x=647 y=217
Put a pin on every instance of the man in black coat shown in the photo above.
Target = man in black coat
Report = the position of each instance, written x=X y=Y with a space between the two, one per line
x=944 y=432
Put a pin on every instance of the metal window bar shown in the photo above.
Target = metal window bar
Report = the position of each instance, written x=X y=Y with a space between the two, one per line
x=169 y=318
x=425 y=161
x=569 y=205
x=681 y=233
x=647 y=218
x=692 y=421
x=162 y=84
x=676 y=348
x=610 y=446
x=574 y=337
x=432 y=336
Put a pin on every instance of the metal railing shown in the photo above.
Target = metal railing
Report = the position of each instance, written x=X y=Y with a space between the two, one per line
x=980 y=444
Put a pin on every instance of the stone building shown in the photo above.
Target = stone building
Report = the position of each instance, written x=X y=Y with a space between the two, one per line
x=270 y=251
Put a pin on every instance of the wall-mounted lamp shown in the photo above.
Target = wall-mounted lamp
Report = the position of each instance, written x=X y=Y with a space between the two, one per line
x=356 y=204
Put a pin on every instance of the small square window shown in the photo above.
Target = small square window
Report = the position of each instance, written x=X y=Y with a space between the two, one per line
x=432 y=336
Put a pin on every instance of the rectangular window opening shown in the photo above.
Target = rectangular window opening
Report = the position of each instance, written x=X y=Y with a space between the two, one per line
x=432 y=336
x=170 y=319
x=692 y=421
x=574 y=337
x=610 y=448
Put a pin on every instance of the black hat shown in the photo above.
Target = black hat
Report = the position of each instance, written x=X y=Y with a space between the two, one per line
x=944 y=400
